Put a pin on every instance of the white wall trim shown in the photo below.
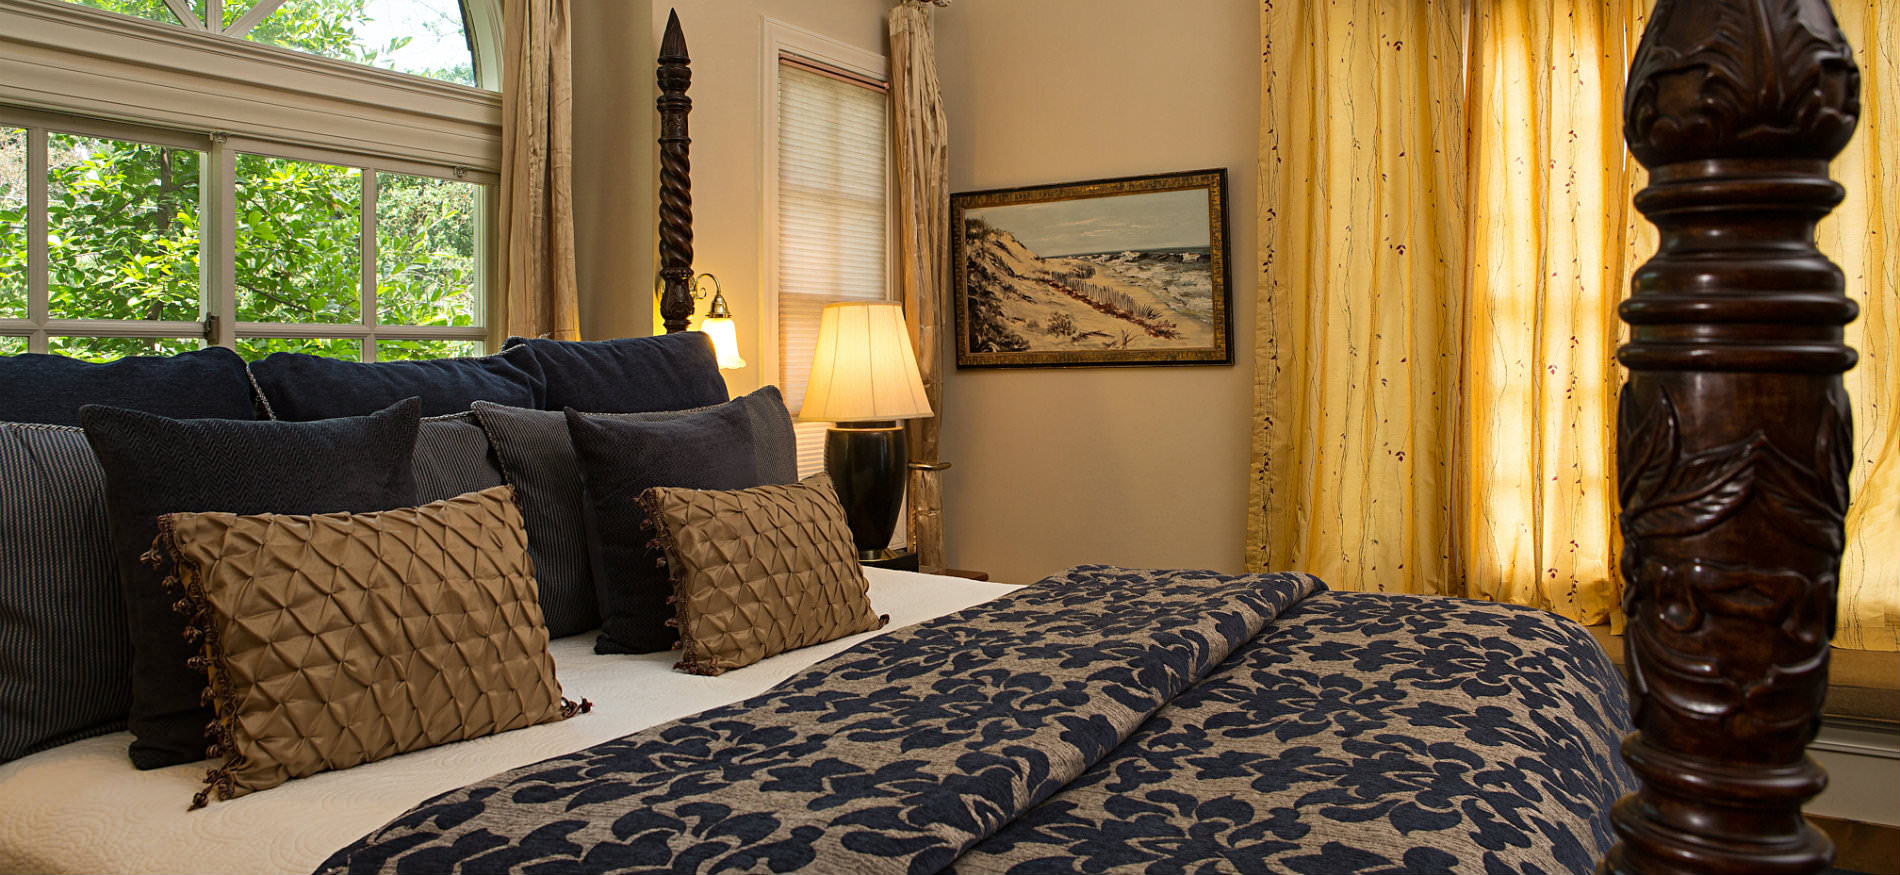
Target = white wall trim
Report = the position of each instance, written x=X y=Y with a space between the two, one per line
x=59 y=57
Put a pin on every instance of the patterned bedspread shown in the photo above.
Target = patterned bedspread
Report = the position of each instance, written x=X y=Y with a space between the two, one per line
x=1101 y=720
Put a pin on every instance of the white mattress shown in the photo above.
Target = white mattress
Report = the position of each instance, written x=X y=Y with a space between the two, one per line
x=83 y=808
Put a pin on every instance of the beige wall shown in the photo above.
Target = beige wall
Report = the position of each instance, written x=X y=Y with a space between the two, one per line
x=614 y=46
x=1132 y=466
x=614 y=86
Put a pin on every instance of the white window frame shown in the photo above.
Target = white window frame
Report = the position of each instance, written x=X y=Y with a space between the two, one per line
x=85 y=71
x=779 y=38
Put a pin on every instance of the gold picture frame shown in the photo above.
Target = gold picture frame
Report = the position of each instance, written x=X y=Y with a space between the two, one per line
x=1113 y=272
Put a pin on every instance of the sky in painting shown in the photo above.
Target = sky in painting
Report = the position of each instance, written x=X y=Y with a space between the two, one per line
x=1154 y=220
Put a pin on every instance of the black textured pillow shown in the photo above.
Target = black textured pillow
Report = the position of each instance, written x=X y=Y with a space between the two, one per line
x=64 y=658
x=154 y=465
x=301 y=387
x=192 y=385
x=628 y=375
x=538 y=460
x=453 y=458
x=620 y=459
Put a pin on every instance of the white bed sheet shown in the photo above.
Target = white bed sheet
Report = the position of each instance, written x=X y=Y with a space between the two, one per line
x=83 y=808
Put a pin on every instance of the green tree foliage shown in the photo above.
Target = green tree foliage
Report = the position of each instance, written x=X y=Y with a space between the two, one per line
x=124 y=227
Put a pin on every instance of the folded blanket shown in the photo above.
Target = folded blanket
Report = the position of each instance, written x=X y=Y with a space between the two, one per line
x=1363 y=732
x=896 y=755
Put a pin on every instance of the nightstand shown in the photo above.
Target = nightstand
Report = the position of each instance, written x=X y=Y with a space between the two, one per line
x=898 y=560
x=966 y=573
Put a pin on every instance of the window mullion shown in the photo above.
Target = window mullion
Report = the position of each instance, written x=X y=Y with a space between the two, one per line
x=249 y=19
x=188 y=18
x=37 y=308
x=217 y=245
x=366 y=240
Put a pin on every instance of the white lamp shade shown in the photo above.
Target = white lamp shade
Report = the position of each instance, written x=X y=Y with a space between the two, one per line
x=725 y=339
x=864 y=369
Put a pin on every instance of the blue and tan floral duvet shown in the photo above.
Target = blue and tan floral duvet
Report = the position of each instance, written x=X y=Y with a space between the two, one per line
x=1101 y=720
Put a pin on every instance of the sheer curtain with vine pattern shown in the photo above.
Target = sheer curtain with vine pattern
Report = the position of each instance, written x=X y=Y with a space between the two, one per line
x=1446 y=231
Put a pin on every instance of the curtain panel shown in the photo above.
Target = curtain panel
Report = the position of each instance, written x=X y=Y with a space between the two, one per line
x=1860 y=235
x=1361 y=171
x=536 y=236
x=1446 y=230
x=923 y=252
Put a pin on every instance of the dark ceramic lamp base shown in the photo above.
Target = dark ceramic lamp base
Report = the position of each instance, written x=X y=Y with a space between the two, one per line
x=867 y=463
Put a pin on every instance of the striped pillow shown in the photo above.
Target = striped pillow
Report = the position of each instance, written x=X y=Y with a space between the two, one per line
x=452 y=458
x=65 y=658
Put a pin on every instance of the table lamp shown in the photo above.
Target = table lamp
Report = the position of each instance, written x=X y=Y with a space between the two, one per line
x=864 y=380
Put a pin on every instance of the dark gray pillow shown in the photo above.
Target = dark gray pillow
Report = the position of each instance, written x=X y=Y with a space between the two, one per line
x=65 y=660
x=154 y=465
x=627 y=375
x=537 y=458
x=302 y=387
x=619 y=460
x=191 y=385
x=453 y=458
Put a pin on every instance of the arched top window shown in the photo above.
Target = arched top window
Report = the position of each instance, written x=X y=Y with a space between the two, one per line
x=434 y=39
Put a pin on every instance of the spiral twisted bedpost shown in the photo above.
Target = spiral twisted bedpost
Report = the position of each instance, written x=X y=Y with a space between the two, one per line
x=676 y=180
x=1733 y=433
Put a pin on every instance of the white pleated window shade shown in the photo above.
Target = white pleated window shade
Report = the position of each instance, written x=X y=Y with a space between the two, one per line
x=833 y=217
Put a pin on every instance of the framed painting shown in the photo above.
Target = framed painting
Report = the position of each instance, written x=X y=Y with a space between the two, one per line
x=1112 y=272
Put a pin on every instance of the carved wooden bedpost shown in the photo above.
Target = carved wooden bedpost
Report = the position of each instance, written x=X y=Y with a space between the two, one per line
x=676 y=181
x=1733 y=433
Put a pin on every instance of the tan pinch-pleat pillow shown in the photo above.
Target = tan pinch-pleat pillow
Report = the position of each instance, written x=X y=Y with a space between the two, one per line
x=339 y=639
x=757 y=572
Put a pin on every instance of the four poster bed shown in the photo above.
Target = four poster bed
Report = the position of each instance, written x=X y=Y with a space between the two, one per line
x=1110 y=719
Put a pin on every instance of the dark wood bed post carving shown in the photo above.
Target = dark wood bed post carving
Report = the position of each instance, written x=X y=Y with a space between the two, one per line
x=676 y=181
x=1733 y=433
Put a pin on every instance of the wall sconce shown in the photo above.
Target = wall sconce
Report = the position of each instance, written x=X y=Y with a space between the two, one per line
x=718 y=324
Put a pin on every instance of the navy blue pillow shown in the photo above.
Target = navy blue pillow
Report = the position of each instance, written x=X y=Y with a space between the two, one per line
x=205 y=383
x=301 y=387
x=619 y=459
x=154 y=465
x=629 y=375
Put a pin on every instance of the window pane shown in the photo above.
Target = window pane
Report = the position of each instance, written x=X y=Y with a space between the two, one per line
x=152 y=9
x=419 y=37
x=12 y=223
x=254 y=348
x=410 y=350
x=122 y=230
x=425 y=250
x=12 y=345
x=298 y=250
x=105 y=349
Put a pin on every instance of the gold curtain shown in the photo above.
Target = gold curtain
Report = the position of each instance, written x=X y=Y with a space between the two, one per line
x=1859 y=236
x=1552 y=238
x=536 y=235
x=1361 y=174
x=1390 y=391
x=923 y=243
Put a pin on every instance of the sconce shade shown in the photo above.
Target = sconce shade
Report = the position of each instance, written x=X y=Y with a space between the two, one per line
x=864 y=369
x=725 y=338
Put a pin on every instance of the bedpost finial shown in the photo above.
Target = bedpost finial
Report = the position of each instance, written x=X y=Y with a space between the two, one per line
x=1741 y=79
x=673 y=42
